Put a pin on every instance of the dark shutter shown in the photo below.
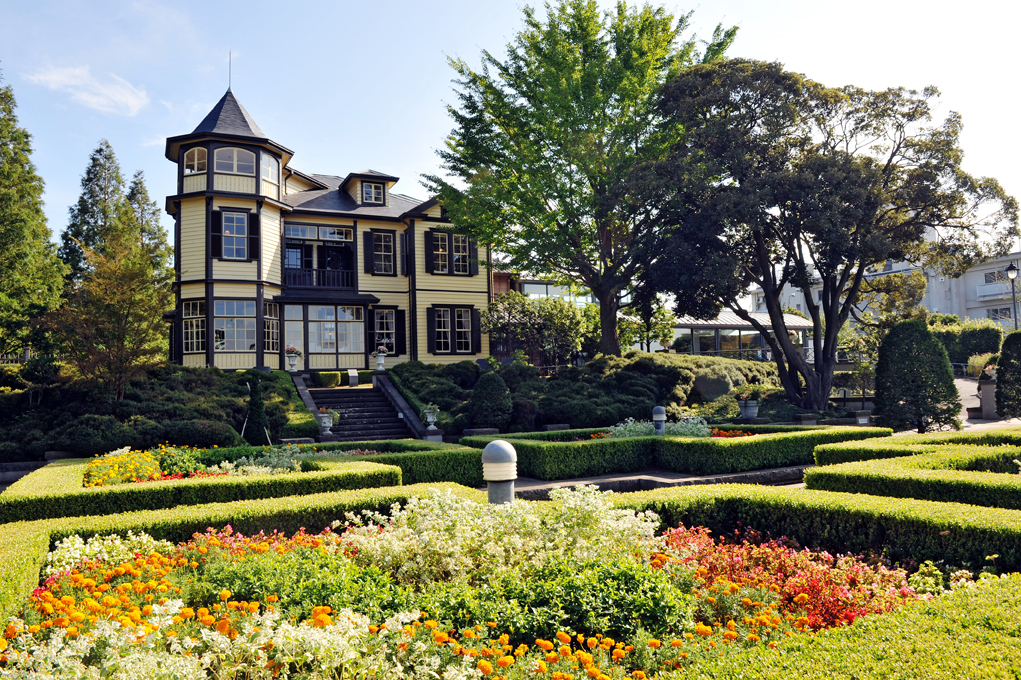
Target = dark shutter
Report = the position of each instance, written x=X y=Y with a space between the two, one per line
x=430 y=330
x=476 y=332
x=370 y=331
x=404 y=254
x=367 y=256
x=253 y=237
x=473 y=258
x=216 y=234
x=401 y=334
x=306 y=256
x=428 y=252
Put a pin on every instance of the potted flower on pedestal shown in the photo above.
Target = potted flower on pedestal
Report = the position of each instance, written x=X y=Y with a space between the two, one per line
x=748 y=401
x=293 y=354
x=326 y=418
x=380 y=356
x=430 y=412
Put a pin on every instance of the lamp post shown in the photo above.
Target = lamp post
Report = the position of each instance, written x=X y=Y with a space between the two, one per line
x=1012 y=271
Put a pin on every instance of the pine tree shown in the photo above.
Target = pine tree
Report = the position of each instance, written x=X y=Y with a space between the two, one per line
x=98 y=213
x=143 y=216
x=31 y=275
x=258 y=422
x=914 y=381
x=490 y=404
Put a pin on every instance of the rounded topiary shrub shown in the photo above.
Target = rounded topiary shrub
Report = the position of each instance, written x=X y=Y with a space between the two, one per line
x=713 y=382
x=202 y=434
x=464 y=374
x=914 y=381
x=1008 y=377
x=258 y=423
x=490 y=404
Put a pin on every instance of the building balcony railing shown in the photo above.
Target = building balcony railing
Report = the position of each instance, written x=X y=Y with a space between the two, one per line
x=319 y=278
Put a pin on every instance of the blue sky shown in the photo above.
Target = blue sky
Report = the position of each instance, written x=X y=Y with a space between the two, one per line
x=351 y=85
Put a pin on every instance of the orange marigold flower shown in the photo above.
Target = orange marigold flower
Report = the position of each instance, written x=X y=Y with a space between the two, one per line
x=655 y=644
x=676 y=643
x=565 y=650
x=485 y=667
x=225 y=595
x=272 y=598
x=703 y=630
x=753 y=637
x=801 y=598
x=430 y=624
x=638 y=675
x=592 y=642
x=540 y=666
x=552 y=657
x=563 y=637
x=505 y=661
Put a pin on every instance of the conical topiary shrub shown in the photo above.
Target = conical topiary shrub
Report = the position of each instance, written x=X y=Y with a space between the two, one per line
x=1008 y=377
x=914 y=381
x=490 y=404
x=258 y=423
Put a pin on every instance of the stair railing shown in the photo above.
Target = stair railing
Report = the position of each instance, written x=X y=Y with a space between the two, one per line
x=404 y=409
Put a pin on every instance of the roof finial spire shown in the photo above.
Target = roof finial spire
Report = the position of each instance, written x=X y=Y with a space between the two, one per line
x=230 y=54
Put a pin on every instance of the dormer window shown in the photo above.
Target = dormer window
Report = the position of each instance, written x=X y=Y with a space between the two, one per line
x=372 y=192
x=270 y=168
x=235 y=161
x=195 y=161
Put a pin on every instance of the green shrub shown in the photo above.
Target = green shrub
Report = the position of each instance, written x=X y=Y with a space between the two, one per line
x=1008 y=377
x=92 y=435
x=976 y=475
x=56 y=490
x=970 y=633
x=490 y=404
x=713 y=382
x=300 y=421
x=257 y=424
x=326 y=378
x=846 y=452
x=542 y=457
x=201 y=433
x=899 y=528
x=464 y=374
x=914 y=382
x=973 y=336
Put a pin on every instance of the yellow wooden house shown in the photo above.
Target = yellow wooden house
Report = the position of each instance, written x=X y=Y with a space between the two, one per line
x=269 y=257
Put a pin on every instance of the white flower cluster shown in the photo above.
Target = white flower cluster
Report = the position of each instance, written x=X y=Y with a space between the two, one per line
x=685 y=427
x=265 y=647
x=112 y=548
x=447 y=537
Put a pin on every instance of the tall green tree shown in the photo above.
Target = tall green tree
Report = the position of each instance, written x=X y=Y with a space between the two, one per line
x=545 y=139
x=111 y=326
x=778 y=181
x=144 y=218
x=99 y=212
x=914 y=381
x=31 y=275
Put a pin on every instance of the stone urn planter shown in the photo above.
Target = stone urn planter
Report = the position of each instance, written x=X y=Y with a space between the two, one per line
x=292 y=363
x=749 y=408
x=380 y=356
x=326 y=421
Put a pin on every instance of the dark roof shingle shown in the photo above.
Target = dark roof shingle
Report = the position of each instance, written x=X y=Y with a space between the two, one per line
x=228 y=117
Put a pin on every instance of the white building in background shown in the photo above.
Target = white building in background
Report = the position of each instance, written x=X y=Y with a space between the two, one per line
x=983 y=292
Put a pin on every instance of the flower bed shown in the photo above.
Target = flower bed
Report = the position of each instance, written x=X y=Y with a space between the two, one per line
x=500 y=585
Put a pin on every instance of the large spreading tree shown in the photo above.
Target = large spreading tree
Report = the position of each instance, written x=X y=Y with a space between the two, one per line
x=780 y=182
x=545 y=140
x=31 y=276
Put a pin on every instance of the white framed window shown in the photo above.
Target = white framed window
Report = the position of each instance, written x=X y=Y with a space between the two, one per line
x=194 y=161
x=234 y=326
x=372 y=192
x=383 y=253
x=322 y=329
x=386 y=330
x=271 y=327
x=194 y=329
x=299 y=231
x=270 y=169
x=336 y=234
x=463 y=330
x=996 y=277
x=440 y=253
x=235 y=235
x=460 y=253
x=234 y=161
x=350 y=330
x=442 y=331
x=999 y=314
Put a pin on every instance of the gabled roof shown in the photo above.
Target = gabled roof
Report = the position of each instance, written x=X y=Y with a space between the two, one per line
x=732 y=320
x=228 y=117
x=369 y=175
x=332 y=200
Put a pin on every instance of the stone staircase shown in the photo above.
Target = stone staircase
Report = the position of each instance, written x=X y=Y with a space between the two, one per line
x=365 y=414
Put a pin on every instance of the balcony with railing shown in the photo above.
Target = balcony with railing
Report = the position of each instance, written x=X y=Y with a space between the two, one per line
x=319 y=278
x=999 y=290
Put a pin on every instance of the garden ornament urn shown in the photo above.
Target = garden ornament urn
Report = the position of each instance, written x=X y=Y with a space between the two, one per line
x=292 y=363
x=500 y=469
x=659 y=420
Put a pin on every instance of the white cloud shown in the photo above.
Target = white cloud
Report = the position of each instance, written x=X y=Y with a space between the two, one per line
x=112 y=94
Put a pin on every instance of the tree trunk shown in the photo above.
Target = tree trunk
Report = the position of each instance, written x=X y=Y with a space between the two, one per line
x=609 y=343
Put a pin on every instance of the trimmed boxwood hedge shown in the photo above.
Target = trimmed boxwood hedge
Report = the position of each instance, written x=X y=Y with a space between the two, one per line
x=23 y=545
x=971 y=633
x=900 y=528
x=56 y=490
x=300 y=421
x=705 y=455
x=895 y=447
x=977 y=475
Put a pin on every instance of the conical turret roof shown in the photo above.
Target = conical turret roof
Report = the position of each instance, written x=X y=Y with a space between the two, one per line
x=228 y=117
